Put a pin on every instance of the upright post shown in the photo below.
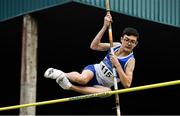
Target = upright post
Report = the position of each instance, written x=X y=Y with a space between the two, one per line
x=114 y=70
x=28 y=65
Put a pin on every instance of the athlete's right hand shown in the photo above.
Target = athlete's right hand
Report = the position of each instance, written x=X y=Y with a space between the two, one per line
x=107 y=20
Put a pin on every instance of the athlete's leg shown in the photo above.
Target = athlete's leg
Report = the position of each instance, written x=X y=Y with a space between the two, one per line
x=89 y=90
x=80 y=78
x=62 y=80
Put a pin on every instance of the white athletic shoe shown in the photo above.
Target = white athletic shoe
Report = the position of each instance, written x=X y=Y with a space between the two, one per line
x=64 y=82
x=54 y=73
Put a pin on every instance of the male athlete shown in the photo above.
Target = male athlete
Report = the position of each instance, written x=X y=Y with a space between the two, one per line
x=96 y=78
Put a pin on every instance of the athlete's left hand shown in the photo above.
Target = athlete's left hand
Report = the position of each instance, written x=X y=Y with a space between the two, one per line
x=114 y=60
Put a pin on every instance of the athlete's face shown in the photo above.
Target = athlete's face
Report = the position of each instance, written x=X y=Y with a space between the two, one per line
x=128 y=42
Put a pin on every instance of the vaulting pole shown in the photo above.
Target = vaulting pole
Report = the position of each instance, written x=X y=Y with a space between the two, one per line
x=114 y=70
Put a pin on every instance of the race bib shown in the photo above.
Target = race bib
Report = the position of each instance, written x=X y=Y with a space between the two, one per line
x=106 y=70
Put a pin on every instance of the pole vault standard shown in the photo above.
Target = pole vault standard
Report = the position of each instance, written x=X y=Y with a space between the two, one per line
x=113 y=68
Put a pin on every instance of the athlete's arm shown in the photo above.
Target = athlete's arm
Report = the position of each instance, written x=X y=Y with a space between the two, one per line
x=96 y=44
x=125 y=77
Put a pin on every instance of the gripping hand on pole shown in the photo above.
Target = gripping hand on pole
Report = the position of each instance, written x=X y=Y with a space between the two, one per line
x=107 y=19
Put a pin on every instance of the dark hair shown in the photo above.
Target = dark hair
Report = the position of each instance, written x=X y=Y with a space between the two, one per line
x=130 y=31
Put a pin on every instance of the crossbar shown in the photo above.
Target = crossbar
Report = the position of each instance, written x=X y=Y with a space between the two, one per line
x=133 y=89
